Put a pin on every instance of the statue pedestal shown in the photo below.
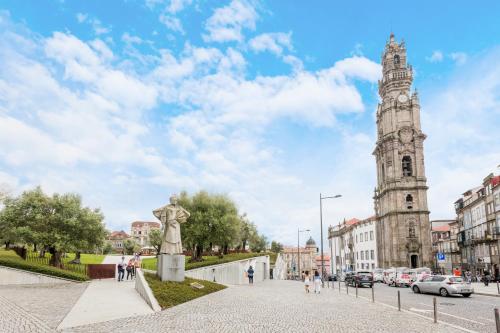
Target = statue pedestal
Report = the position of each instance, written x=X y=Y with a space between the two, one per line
x=170 y=267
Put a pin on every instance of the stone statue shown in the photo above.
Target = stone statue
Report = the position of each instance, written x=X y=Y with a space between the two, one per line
x=171 y=216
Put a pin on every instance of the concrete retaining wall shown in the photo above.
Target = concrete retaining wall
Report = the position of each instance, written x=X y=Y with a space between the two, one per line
x=16 y=276
x=233 y=272
x=142 y=287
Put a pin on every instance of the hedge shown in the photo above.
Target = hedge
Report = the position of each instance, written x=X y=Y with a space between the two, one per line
x=42 y=269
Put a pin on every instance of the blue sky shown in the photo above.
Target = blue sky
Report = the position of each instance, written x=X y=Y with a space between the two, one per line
x=126 y=102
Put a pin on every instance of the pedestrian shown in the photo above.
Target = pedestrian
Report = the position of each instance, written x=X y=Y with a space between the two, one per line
x=130 y=269
x=250 y=272
x=307 y=281
x=468 y=276
x=317 y=282
x=121 y=269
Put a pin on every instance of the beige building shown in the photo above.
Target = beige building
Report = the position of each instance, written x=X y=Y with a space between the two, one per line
x=307 y=258
x=403 y=228
x=445 y=250
x=116 y=239
x=140 y=231
x=478 y=216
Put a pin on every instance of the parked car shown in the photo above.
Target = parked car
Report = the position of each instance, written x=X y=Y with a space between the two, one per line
x=332 y=277
x=397 y=277
x=388 y=274
x=360 y=279
x=443 y=285
x=418 y=274
x=378 y=275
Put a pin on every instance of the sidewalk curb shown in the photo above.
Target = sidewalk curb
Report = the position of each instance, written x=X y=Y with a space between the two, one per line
x=486 y=294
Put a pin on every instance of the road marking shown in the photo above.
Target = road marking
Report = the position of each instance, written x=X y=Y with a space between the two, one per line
x=486 y=319
x=449 y=314
x=420 y=310
x=422 y=316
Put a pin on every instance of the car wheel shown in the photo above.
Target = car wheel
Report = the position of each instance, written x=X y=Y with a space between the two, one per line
x=466 y=295
x=416 y=290
x=443 y=292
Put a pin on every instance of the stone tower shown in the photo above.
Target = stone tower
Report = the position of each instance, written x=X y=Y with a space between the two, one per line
x=403 y=227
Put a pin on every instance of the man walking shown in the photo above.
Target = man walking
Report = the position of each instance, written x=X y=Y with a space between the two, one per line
x=121 y=269
x=250 y=272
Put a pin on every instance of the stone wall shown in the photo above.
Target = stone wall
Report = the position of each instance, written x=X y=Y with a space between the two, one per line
x=15 y=276
x=233 y=272
x=145 y=291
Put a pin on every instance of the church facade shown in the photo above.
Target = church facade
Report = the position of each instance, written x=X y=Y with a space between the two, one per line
x=403 y=227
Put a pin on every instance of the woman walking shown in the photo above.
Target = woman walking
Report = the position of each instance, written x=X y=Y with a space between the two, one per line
x=317 y=282
x=307 y=281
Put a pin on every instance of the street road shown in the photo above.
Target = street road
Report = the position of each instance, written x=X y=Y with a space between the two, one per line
x=475 y=313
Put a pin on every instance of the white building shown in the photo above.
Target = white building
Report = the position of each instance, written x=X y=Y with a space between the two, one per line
x=353 y=245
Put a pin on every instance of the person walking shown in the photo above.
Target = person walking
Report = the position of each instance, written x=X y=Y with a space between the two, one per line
x=317 y=282
x=250 y=273
x=130 y=269
x=121 y=269
x=307 y=281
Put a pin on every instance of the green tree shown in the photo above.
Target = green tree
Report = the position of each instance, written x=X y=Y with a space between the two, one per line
x=58 y=223
x=108 y=248
x=248 y=231
x=276 y=247
x=155 y=240
x=131 y=246
x=258 y=244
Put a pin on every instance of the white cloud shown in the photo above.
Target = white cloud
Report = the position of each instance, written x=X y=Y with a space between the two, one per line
x=437 y=56
x=226 y=23
x=81 y=17
x=272 y=42
x=460 y=58
x=176 y=6
x=97 y=26
x=171 y=22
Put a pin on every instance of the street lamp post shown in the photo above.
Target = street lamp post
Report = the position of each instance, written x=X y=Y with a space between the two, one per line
x=298 y=248
x=321 y=198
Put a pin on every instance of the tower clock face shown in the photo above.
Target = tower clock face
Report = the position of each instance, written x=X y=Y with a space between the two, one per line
x=402 y=98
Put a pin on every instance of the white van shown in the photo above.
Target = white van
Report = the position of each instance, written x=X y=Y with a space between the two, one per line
x=418 y=274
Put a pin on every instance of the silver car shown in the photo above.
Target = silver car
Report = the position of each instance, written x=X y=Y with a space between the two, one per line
x=443 y=285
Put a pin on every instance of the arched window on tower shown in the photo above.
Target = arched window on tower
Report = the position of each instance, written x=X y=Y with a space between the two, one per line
x=397 y=60
x=383 y=172
x=406 y=165
x=409 y=201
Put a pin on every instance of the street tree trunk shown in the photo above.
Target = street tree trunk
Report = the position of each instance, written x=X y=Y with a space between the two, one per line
x=77 y=258
x=55 y=259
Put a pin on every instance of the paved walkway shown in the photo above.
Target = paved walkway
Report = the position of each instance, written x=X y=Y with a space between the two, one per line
x=273 y=306
x=481 y=289
x=105 y=300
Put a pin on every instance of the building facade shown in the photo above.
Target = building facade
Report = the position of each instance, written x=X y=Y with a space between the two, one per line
x=140 y=230
x=353 y=246
x=116 y=239
x=307 y=255
x=445 y=250
x=403 y=227
x=478 y=216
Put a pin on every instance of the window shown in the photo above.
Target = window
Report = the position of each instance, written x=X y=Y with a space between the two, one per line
x=371 y=235
x=411 y=230
x=383 y=172
x=356 y=238
x=406 y=164
x=372 y=254
x=409 y=201
x=362 y=255
x=397 y=60
x=357 y=255
x=366 y=254
x=361 y=237
x=366 y=236
x=373 y=266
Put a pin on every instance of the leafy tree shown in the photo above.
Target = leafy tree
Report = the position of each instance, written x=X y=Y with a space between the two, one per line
x=155 y=240
x=107 y=248
x=276 y=247
x=248 y=231
x=58 y=223
x=258 y=244
x=130 y=246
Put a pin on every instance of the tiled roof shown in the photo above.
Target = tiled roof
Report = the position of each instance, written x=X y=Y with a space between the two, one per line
x=139 y=224
x=118 y=235
x=352 y=221
x=441 y=228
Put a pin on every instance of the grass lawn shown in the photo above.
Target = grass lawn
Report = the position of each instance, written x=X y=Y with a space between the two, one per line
x=86 y=258
x=171 y=294
x=10 y=259
x=150 y=263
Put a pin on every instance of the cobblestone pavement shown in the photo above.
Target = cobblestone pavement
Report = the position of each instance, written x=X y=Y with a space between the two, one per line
x=36 y=308
x=273 y=306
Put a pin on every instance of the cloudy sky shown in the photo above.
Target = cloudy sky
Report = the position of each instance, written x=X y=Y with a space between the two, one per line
x=126 y=102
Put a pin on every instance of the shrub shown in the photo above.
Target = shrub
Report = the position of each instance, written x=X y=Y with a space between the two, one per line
x=42 y=269
x=170 y=293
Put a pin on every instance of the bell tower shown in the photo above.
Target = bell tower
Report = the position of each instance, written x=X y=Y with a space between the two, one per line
x=403 y=227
